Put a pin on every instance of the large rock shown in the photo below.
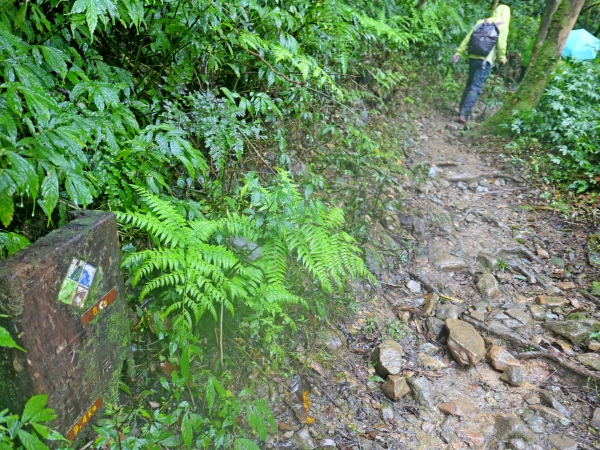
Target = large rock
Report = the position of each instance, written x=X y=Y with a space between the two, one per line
x=511 y=427
x=465 y=344
x=488 y=286
x=388 y=358
x=591 y=360
x=422 y=391
x=373 y=260
x=448 y=263
x=500 y=358
x=577 y=331
x=395 y=387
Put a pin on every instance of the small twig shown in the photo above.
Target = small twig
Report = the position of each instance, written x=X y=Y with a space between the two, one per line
x=562 y=362
x=452 y=299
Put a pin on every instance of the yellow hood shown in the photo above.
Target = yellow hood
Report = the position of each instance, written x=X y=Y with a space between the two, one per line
x=501 y=14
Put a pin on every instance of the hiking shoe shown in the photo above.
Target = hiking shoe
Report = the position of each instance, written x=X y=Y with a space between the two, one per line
x=461 y=120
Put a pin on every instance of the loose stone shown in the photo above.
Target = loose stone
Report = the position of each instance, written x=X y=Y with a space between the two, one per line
x=304 y=440
x=448 y=263
x=488 y=286
x=474 y=438
x=549 y=400
x=562 y=442
x=488 y=260
x=513 y=376
x=595 y=421
x=388 y=358
x=395 y=387
x=500 y=358
x=465 y=344
x=421 y=389
x=430 y=305
x=550 y=414
x=414 y=286
x=452 y=408
x=537 y=312
x=447 y=311
x=431 y=363
x=519 y=315
x=550 y=301
x=509 y=427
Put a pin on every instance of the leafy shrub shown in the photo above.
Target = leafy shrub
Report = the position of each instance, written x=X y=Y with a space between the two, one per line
x=568 y=120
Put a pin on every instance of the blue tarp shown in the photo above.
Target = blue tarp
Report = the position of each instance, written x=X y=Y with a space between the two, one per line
x=581 y=45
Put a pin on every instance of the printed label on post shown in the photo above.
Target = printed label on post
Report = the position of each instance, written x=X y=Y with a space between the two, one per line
x=83 y=421
x=89 y=315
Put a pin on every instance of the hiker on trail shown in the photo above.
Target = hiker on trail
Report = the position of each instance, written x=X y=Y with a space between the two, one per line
x=485 y=43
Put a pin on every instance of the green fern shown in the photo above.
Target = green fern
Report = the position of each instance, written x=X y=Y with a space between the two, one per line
x=194 y=274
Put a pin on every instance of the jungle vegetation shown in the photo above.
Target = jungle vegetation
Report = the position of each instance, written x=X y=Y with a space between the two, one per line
x=233 y=140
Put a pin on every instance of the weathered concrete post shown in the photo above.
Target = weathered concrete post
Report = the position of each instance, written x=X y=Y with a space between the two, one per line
x=65 y=300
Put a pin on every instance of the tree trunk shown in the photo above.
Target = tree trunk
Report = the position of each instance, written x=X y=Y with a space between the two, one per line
x=544 y=26
x=421 y=4
x=495 y=4
x=540 y=70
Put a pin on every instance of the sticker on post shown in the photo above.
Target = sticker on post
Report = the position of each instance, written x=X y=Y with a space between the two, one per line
x=84 y=420
x=104 y=302
x=76 y=284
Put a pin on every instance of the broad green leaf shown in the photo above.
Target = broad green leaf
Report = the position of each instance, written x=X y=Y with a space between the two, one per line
x=186 y=430
x=31 y=442
x=50 y=192
x=34 y=405
x=7 y=208
x=55 y=59
x=6 y=339
x=245 y=444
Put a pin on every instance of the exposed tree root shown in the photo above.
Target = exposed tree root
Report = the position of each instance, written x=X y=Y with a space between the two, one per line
x=589 y=296
x=540 y=353
x=561 y=362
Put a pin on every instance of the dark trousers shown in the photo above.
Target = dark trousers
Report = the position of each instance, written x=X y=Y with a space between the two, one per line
x=478 y=72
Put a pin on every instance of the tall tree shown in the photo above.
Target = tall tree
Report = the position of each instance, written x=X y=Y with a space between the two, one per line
x=542 y=64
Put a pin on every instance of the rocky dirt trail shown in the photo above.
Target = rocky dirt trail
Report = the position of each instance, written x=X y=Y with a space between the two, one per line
x=473 y=336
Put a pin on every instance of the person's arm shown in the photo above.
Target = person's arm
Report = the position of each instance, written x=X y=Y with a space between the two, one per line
x=501 y=44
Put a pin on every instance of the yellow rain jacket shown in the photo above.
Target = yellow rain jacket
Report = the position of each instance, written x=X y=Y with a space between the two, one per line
x=500 y=14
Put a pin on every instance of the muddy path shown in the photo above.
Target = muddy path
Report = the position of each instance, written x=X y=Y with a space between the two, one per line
x=476 y=284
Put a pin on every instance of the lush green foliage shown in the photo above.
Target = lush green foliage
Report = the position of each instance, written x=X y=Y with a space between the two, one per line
x=13 y=429
x=568 y=120
x=242 y=258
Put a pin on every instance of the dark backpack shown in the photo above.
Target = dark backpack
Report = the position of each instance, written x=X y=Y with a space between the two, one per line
x=483 y=39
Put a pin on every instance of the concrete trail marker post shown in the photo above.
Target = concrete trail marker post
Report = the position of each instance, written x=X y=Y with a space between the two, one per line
x=65 y=299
